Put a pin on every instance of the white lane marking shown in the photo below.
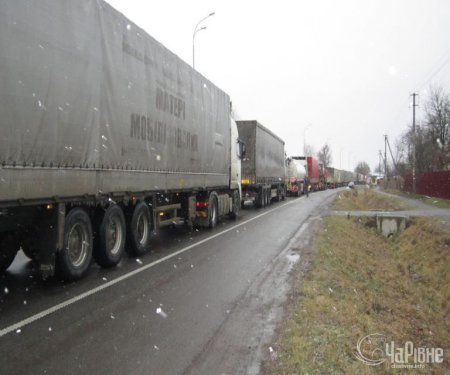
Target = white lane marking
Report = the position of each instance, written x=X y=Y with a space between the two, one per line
x=99 y=288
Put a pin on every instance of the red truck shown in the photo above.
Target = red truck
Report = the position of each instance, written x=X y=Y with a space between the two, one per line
x=312 y=169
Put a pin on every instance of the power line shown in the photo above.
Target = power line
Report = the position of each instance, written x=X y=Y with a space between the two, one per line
x=434 y=72
x=445 y=58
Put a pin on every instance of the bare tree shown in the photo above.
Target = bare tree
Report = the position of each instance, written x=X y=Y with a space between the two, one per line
x=324 y=155
x=379 y=169
x=432 y=136
x=437 y=118
x=363 y=168
x=401 y=154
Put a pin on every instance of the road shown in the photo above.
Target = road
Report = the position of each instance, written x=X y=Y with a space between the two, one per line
x=202 y=302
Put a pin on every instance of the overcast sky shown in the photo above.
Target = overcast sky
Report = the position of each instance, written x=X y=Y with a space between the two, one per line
x=342 y=70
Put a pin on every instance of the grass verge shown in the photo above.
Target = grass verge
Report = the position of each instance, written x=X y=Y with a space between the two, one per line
x=435 y=202
x=360 y=283
x=366 y=199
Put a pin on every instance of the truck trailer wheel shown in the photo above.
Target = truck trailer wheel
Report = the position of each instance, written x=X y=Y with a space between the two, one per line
x=236 y=205
x=111 y=237
x=8 y=250
x=260 y=199
x=212 y=211
x=73 y=261
x=268 y=197
x=139 y=229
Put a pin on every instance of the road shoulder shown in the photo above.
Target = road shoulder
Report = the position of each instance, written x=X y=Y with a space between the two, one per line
x=246 y=336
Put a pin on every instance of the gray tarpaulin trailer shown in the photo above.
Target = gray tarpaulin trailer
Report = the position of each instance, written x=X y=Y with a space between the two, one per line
x=103 y=132
x=263 y=168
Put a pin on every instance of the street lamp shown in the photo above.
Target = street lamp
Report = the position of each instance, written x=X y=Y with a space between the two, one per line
x=196 y=30
x=304 y=138
x=350 y=161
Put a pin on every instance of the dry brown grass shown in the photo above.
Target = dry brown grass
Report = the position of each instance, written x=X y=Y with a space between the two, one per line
x=366 y=199
x=361 y=283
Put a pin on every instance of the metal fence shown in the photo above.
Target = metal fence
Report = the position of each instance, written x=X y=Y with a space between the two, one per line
x=433 y=184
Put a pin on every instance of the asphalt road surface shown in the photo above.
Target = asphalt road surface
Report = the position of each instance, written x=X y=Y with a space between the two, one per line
x=202 y=302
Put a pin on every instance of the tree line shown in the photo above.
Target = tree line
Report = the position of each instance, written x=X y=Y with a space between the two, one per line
x=324 y=156
x=431 y=137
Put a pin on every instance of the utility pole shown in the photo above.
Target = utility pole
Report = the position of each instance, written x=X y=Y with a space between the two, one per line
x=392 y=156
x=385 y=159
x=414 y=144
x=380 y=158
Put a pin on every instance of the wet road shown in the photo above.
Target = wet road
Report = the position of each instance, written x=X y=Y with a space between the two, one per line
x=203 y=302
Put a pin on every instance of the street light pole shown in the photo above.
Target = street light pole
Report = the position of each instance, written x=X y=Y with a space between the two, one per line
x=196 y=30
x=304 y=139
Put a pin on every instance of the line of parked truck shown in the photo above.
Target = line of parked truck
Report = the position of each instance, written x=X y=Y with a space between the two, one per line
x=106 y=136
x=306 y=168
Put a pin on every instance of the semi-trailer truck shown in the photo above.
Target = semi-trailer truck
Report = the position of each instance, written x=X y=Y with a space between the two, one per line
x=105 y=137
x=335 y=178
x=295 y=176
x=263 y=167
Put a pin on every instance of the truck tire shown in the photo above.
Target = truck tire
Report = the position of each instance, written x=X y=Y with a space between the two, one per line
x=111 y=237
x=278 y=197
x=236 y=205
x=73 y=261
x=260 y=199
x=8 y=250
x=139 y=229
x=212 y=211
x=268 y=197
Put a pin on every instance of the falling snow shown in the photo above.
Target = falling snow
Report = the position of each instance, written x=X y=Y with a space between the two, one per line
x=161 y=312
